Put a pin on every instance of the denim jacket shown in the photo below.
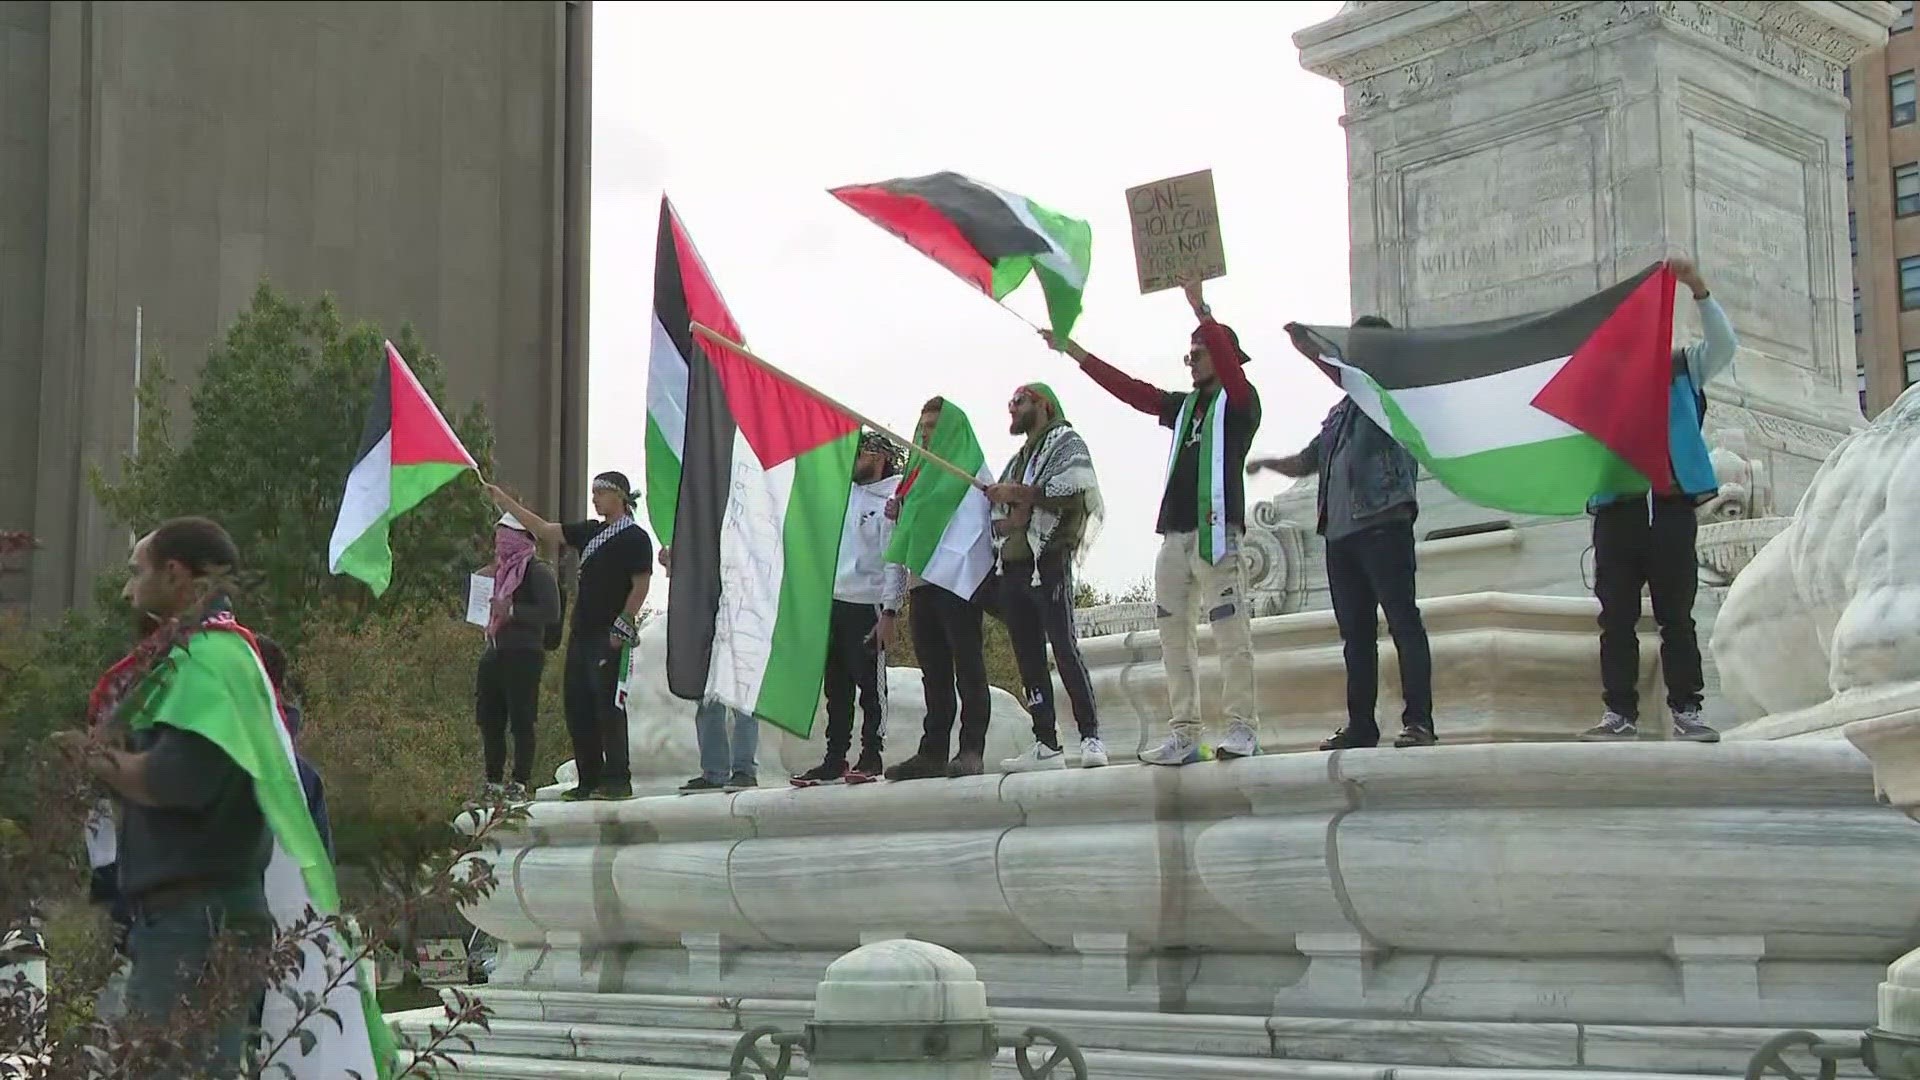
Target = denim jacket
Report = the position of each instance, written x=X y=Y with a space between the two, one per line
x=1378 y=473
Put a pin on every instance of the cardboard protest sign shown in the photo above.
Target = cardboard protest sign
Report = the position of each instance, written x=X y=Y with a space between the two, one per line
x=1176 y=231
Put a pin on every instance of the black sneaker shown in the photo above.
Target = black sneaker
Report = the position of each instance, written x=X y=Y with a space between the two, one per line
x=870 y=765
x=700 y=785
x=1416 y=735
x=613 y=791
x=1612 y=728
x=920 y=766
x=967 y=765
x=577 y=794
x=1344 y=740
x=742 y=782
x=827 y=772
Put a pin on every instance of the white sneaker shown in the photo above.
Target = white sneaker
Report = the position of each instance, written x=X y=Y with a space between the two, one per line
x=1176 y=749
x=1093 y=752
x=1240 y=742
x=1037 y=757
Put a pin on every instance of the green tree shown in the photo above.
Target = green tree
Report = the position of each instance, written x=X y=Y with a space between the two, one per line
x=277 y=416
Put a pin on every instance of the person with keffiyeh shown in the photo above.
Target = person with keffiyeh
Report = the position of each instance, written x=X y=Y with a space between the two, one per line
x=1047 y=512
x=526 y=601
x=1203 y=513
x=616 y=569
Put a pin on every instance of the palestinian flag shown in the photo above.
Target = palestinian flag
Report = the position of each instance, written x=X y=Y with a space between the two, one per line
x=944 y=532
x=1531 y=415
x=767 y=469
x=989 y=237
x=407 y=451
x=218 y=690
x=683 y=293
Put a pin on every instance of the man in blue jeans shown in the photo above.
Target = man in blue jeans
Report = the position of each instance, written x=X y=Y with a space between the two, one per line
x=1366 y=509
x=726 y=758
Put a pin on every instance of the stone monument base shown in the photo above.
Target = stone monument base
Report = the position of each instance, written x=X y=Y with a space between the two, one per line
x=1513 y=910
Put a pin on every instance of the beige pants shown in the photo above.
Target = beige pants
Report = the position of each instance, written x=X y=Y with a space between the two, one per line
x=1184 y=585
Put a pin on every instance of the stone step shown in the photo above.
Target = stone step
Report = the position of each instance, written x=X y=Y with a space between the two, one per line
x=643 y=1042
x=1694 y=1050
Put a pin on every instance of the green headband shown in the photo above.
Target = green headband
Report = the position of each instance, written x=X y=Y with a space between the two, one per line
x=1046 y=394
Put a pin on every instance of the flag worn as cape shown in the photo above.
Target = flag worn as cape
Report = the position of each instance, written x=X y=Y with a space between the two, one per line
x=216 y=687
x=407 y=452
x=989 y=237
x=683 y=293
x=766 y=474
x=945 y=529
x=1531 y=415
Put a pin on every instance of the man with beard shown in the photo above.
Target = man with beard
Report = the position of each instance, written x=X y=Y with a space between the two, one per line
x=1047 y=511
x=863 y=587
x=933 y=513
x=616 y=568
x=1202 y=518
x=184 y=733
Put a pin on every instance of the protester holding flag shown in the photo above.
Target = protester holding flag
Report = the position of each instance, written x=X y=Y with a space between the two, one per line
x=215 y=837
x=1366 y=512
x=1645 y=539
x=1047 y=512
x=526 y=602
x=863 y=589
x=943 y=543
x=616 y=568
x=1202 y=518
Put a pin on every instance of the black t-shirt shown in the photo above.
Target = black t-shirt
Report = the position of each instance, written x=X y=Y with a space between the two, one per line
x=607 y=578
x=1180 y=505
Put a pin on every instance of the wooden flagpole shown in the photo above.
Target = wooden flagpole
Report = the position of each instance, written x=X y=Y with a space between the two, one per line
x=702 y=330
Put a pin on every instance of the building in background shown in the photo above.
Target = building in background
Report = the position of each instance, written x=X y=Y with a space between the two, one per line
x=423 y=162
x=1883 y=218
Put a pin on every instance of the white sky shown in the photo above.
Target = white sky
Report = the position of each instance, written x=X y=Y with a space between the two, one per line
x=746 y=113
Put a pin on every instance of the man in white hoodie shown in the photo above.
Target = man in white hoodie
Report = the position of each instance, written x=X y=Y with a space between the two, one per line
x=856 y=660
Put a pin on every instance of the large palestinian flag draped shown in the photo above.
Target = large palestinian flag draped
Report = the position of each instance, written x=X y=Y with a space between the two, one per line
x=944 y=532
x=407 y=451
x=218 y=690
x=989 y=237
x=683 y=293
x=1531 y=415
x=766 y=471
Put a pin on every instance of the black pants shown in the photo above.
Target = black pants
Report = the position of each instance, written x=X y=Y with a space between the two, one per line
x=947 y=640
x=853 y=665
x=1037 y=615
x=596 y=725
x=1368 y=572
x=506 y=694
x=1631 y=552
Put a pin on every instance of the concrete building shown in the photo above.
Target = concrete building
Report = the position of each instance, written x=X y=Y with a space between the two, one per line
x=1883 y=220
x=423 y=162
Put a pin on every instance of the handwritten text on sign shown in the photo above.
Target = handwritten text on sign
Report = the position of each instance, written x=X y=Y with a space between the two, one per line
x=1176 y=231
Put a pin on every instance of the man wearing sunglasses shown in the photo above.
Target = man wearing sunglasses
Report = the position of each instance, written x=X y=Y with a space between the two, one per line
x=1202 y=518
x=1047 y=510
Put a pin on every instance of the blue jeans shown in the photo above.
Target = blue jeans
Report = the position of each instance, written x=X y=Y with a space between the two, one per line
x=170 y=945
x=721 y=758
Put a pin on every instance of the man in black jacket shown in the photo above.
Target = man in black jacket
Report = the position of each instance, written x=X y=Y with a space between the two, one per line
x=526 y=602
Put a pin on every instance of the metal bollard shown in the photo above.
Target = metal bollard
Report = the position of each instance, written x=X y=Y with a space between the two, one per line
x=901 y=1010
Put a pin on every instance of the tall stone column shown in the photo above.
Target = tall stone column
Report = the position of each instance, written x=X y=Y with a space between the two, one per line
x=1510 y=156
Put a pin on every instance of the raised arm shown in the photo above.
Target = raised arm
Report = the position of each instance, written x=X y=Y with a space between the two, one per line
x=1143 y=396
x=1708 y=357
x=1228 y=360
x=548 y=532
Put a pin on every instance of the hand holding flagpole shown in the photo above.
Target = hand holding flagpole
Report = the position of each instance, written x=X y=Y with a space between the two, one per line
x=700 y=330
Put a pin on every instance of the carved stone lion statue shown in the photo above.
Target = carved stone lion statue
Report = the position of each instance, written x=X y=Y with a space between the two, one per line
x=1832 y=605
x=1745 y=489
x=660 y=736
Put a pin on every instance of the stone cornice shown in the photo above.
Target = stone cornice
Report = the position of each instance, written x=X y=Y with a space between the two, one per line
x=1806 y=39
